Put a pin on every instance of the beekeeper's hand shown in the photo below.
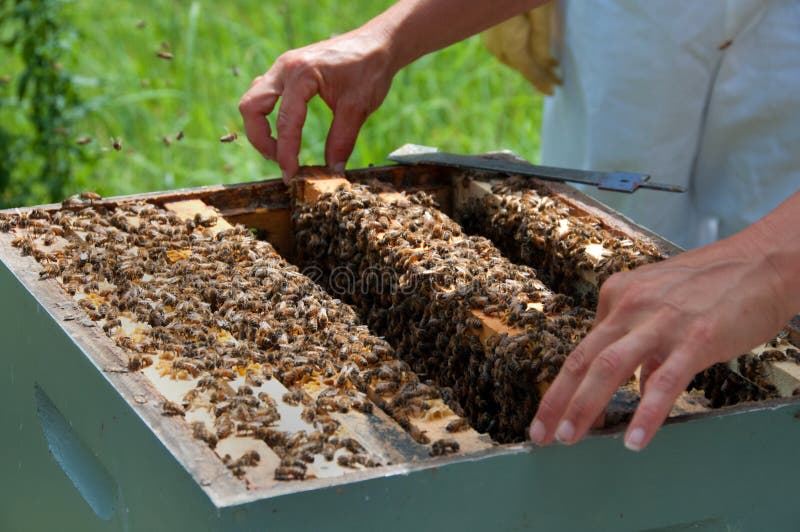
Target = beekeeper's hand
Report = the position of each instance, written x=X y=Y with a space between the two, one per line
x=523 y=43
x=352 y=73
x=674 y=319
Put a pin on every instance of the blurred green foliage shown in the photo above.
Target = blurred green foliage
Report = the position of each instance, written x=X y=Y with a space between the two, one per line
x=114 y=86
x=36 y=158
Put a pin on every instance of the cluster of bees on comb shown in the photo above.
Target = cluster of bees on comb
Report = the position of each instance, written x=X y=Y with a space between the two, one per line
x=573 y=254
x=226 y=313
x=724 y=387
x=428 y=287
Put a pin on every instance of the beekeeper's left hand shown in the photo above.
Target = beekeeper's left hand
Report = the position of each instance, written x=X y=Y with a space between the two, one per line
x=674 y=319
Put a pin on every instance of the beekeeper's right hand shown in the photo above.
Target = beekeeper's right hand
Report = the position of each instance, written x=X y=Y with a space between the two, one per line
x=351 y=73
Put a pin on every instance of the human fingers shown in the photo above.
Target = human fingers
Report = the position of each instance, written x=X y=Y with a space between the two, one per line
x=258 y=102
x=609 y=369
x=291 y=117
x=648 y=367
x=610 y=292
x=554 y=402
x=663 y=387
x=348 y=117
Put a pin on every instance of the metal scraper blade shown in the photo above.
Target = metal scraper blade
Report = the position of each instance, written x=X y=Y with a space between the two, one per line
x=617 y=181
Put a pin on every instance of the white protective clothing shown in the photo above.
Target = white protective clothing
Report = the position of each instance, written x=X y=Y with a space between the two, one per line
x=702 y=94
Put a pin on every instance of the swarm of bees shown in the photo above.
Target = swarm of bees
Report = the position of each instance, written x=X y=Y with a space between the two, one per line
x=227 y=313
x=420 y=281
x=573 y=254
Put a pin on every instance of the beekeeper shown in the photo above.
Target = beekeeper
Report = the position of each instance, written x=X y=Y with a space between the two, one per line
x=672 y=318
x=704 y=95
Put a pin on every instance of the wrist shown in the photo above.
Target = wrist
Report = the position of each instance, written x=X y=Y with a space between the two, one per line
x=779 y=257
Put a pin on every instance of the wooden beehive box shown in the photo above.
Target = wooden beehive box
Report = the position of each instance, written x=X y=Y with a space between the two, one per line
x=70 y=405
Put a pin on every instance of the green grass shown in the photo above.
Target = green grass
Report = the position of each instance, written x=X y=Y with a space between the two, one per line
x=458 y=99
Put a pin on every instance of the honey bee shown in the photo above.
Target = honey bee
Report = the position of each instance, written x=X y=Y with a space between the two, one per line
x=444 y=446
x=457 y=425
x=90 y=196
x=116 y=144
x=82 y=141
x=225 y=428
x=111 y=324
x=385 y=388
x=201 y=432
x=168 y=408
x=163 y=54
x=352 y=445
x=230 y=137
x=273 y=438
x=290 y=473
x=293 y=397
x=364 y=406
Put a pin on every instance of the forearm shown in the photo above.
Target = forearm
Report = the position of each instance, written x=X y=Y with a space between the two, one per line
x=777 y=238
x=414 y=28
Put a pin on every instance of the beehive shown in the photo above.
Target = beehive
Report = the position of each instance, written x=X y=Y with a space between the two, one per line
x=362 y=420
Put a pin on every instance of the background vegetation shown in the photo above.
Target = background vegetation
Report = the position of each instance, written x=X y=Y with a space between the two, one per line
x=98 y=75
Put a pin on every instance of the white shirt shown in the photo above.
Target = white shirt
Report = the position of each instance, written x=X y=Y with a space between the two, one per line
x=700 y=93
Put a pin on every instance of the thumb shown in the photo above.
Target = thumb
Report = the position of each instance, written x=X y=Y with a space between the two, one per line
x=347 y=122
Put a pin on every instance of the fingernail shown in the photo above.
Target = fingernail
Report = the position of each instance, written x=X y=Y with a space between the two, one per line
x=565 y=432
x=537 y=432
x=635 y=439
x=284 y=174
x=339 y=168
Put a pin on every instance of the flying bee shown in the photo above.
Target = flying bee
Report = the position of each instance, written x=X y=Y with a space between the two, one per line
x=163 y=54
x=230 y=137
